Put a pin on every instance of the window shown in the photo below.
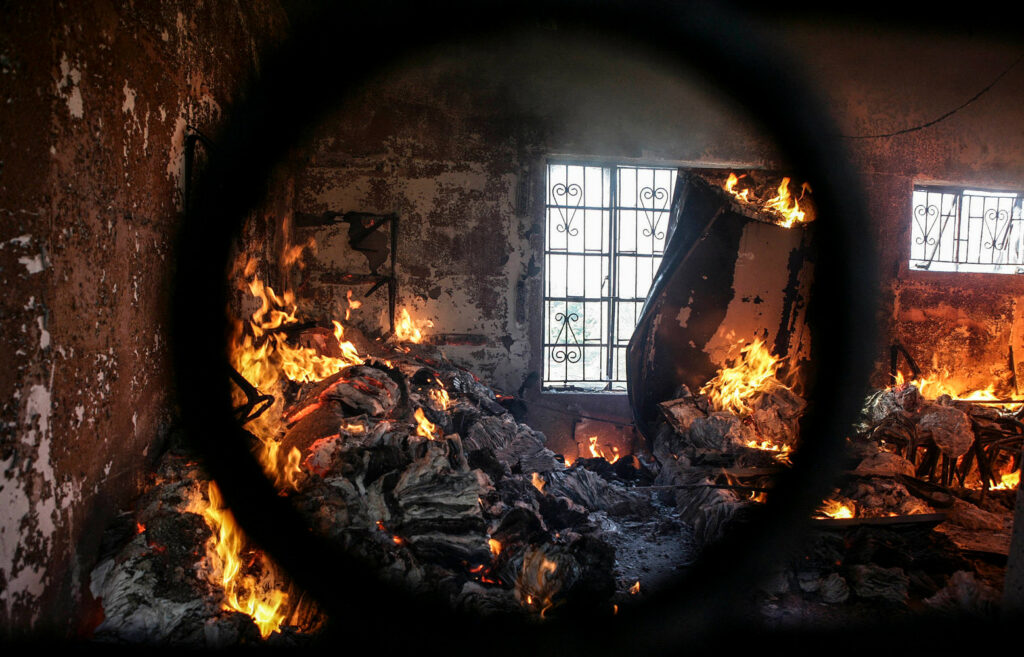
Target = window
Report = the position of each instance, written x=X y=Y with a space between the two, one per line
x=604 y=239
x=966 y=230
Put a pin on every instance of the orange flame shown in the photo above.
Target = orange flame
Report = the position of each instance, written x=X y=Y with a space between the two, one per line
x=265 y=359
x=537 y=584
x=353 y=304
x=440 y=397
x=782 y=203
x=942 y=382
x=425 y=427
x=783 y=451
x=262 y=600
x=538 y=481
x=730 y=183
x=836 y=509
x=1008 y=481
x=635 y=589
x=752 y=372
x=406 y=330
x=786 y=205
x=597 y=452
x=495 y=546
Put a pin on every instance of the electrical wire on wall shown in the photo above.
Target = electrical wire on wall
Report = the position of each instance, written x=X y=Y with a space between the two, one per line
x=946 y=115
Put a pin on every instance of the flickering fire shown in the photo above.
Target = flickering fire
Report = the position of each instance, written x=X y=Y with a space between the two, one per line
x=260 y=353
x=787 y=206
x=406 y=330
x=495 y=546
x=942 y=382
x=835 y=509
x=1007 y=476
x=635 y=589
x=424 y=427
x=440 y=397
x=1008 y=481
x=730 y=184
x=353 y=304
x=597 y=452
x=262 y=599
x=753 y=372
x=783 y=451
x=782 y=204
x=537 y=584
x=538 y=482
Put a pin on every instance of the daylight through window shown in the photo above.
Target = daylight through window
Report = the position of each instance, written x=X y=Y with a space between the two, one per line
x=606 y=227
x=966 y=230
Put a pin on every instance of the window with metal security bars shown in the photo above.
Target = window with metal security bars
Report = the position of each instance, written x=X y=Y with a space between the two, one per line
x=967 y=230
x=605 y=234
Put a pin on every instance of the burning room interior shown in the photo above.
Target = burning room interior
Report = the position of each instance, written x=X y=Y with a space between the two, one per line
x=523 y=327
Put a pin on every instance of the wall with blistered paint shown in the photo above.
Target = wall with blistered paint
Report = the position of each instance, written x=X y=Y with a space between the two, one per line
x=455 y=143
x=878 y=81
x=97 y=97
x=417 y=142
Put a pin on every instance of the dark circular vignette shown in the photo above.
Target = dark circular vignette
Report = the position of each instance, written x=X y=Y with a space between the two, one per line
x=281 y=108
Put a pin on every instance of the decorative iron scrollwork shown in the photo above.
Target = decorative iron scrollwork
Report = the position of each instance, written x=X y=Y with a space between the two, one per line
x=566 y=351
x=653 y=211
x=994 y=216
x=925 y=216
x=569 y=193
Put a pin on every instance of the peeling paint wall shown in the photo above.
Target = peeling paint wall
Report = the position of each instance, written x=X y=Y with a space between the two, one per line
x=96 y=98
x=455 y=143
x=879 y=82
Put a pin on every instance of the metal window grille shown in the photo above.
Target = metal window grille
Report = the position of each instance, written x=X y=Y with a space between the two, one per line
x=967 y=230
x=604 y=240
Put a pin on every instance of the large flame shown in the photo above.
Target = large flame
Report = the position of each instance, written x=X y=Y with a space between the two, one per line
x=262 y=599
x=753 y=372
x=260 y=353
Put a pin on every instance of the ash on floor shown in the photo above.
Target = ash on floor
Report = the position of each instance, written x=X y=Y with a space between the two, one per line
x=651 y=551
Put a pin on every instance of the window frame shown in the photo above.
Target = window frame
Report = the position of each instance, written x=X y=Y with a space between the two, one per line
x=614 y=338
x=923 y=225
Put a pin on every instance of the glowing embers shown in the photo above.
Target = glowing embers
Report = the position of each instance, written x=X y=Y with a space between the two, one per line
x=783 y=207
